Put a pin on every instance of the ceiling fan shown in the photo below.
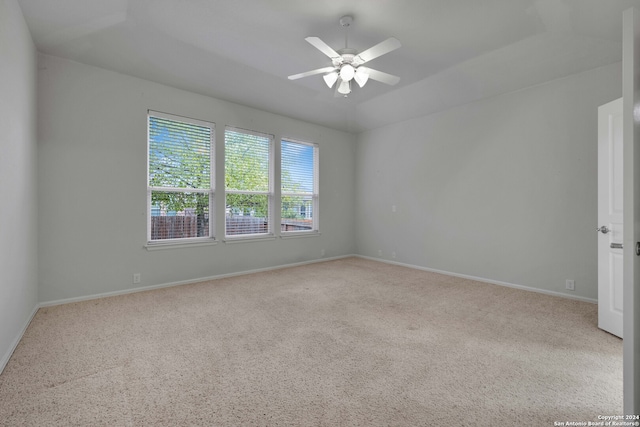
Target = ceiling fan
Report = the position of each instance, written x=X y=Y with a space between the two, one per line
x=348 y=63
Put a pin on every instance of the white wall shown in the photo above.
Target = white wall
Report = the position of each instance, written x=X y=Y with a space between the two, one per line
x=502 y=189
x=92 y=184
x=18 y=213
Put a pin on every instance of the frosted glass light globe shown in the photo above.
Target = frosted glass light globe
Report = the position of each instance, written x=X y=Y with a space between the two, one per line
x=344 y=88
x=347 y=72
x=330 y=78
x=361 y=77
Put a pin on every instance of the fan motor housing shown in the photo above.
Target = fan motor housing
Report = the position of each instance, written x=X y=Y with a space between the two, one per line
x=347 y=55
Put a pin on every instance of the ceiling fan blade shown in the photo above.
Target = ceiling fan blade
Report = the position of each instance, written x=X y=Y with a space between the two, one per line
x=380 y=76
x=324 y=48
x=378 y=50
x=312 y=73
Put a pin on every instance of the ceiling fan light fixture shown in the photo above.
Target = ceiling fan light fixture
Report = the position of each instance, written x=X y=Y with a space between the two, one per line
x=347 y=63
x=361 y=77
x=344 y=88
x=331 y=78
x=347 y=72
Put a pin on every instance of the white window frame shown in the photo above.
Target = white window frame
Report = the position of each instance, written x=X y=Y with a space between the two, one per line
x=210 y=191
x=270 y=193
x=315 y=197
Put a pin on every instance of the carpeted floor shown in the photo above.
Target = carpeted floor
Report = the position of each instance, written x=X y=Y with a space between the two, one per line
x=350 y=342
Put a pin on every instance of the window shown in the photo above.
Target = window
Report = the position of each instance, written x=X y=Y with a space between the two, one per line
x=248 y=185
x=180 y=190
x=299 y=183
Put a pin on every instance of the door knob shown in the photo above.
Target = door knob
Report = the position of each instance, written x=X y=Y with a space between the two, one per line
x=604 y=229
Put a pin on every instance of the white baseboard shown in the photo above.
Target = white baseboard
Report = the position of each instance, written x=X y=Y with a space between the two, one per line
x=16 y=341
x=277 y=267
x=481 y=279
x=185 y=282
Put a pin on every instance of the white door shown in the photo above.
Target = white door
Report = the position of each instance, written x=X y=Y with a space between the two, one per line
x=610 y=209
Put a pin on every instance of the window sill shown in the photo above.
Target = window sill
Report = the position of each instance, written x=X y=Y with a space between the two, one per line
x=247 y=239
x=158 y=246
x=297 y=234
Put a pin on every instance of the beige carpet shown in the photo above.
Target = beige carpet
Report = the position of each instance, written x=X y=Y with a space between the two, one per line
x=350 y=342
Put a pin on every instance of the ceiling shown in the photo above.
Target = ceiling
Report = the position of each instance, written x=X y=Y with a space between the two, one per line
x=453 y=51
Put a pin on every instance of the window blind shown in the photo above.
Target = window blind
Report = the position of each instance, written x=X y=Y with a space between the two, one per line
x=299 y=189
x=246 y=160
x=180 y=185
x=179 y=154
x=247 y=181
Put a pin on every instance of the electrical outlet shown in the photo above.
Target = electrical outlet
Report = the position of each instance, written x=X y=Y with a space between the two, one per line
x=136 y=278
x=570 y=285
x=379 y=252
x=322 y=252
x=393 y=254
